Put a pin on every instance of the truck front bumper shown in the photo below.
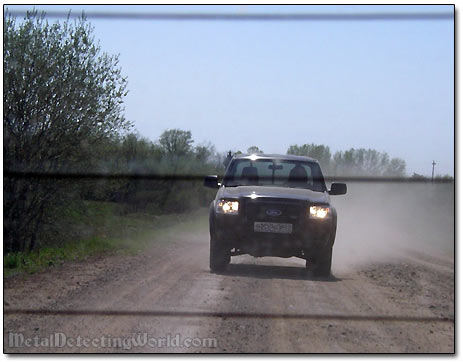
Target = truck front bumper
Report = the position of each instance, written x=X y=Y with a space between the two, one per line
x=307 y=236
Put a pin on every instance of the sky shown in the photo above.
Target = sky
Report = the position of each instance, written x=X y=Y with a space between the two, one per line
x=386 y=85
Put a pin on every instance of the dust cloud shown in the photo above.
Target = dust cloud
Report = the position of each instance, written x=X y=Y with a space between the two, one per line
x=381 y=222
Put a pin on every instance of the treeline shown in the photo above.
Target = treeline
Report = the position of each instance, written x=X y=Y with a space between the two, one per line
x=358 y=162
x=353 y=162
x=173 y=154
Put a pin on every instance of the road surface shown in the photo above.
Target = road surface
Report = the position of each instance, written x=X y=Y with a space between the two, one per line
x=167 y=300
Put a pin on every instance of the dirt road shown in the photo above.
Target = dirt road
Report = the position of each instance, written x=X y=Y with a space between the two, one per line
x=405 y=304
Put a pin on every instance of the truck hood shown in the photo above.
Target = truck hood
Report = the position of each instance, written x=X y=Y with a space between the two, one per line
x=273 y=191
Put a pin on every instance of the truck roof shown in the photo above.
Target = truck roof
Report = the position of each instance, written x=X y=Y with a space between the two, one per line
x=266 y=156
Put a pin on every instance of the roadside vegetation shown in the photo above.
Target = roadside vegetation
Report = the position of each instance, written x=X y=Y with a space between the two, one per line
x=96 y=228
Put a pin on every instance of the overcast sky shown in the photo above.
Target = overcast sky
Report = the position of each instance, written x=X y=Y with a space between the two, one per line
x=387 y=85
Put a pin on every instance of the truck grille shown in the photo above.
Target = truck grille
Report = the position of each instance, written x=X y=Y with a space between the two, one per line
x=273 y=210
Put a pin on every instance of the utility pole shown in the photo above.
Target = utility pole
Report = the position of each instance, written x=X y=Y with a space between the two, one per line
x=432 y=177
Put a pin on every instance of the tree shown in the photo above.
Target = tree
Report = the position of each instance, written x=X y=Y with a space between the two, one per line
x=61 y=96
x=319 y=152
x=176 y=142
x=254 y=149
x=204 y=152
x=417 y=176
x=396 y=168
x=367 y=162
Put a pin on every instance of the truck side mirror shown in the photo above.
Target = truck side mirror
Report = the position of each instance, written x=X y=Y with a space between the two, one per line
x=211 y=181
x=338 y=189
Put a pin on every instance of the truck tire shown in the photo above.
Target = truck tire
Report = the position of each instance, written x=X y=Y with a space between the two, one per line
x=219 y=256
x=322 y=262
x=322 y=267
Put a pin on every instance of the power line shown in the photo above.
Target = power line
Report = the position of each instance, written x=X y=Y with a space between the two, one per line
x=247 y=17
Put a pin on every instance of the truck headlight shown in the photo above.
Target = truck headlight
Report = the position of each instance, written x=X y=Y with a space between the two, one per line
x=319 y=212
x=227 y=207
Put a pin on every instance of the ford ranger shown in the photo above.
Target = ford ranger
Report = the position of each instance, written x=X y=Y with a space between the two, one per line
x=273 y=205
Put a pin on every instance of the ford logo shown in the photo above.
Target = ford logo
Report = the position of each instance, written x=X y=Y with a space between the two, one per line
x=273 y=212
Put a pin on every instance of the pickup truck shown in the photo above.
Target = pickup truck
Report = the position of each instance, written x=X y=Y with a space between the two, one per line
x=273 y=205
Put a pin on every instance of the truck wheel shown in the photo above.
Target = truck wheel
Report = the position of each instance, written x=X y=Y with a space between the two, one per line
x=219 y=256
x=322 y=267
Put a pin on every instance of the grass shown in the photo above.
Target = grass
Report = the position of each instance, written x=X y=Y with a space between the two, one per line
x=101 y=228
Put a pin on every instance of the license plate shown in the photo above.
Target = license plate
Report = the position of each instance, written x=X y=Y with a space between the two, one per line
x=273 y=227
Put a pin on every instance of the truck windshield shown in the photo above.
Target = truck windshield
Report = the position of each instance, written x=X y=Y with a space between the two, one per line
x=282 y=173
